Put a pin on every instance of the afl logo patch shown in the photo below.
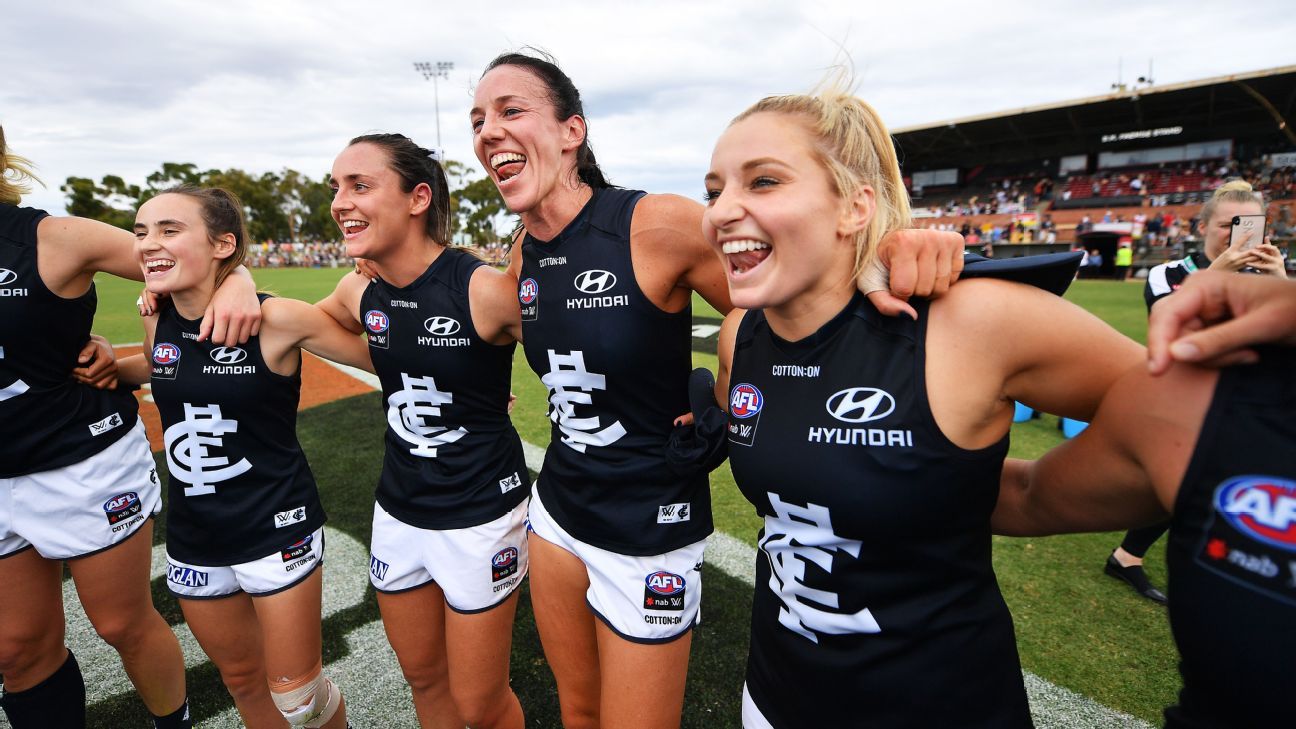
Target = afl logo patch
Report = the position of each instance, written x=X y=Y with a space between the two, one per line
x=663 y=591
x=860 y=404
x=1260 y=507
x=595 y=281
x=504 y=564
x=376 y=321
x=528 y=290
x=165 y=353
x=228 y=355
x=745 y=401
x=441 y=326
x=7 y=277
x=665 y=583
x=122 y=507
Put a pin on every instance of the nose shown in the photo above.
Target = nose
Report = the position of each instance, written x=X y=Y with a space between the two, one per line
x=724 y=210
x=489 y=129
x=340 y=202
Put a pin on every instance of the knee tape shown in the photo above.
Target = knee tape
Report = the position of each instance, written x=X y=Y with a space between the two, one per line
x=310 y=705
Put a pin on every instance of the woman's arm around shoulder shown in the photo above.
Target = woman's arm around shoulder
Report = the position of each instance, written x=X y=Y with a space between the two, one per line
x=672 y=258
x=290 y=325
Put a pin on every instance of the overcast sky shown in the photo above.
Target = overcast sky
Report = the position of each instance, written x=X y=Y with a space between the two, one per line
x=119 y=87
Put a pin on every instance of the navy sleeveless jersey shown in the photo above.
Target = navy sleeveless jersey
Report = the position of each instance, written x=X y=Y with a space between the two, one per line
x=875 y=602
x=616 y=367
x=239 y=486
x=47 y=420
x=1232 y=554
x=453 y=459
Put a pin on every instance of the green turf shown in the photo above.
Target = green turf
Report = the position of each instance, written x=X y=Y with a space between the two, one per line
x=1075 y=626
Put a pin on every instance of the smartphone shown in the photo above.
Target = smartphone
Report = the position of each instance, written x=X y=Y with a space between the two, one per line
x=1248 y=231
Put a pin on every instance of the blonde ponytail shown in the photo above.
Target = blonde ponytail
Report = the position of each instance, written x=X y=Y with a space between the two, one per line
x=15 y=175
x=1235 y=190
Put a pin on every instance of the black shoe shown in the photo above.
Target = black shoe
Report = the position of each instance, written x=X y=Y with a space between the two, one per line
x=1136 y=578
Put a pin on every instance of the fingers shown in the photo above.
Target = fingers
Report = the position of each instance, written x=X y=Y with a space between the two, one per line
x=902 y=267
x=685 y=419
x=147 y=303
x=925 y=280
x=890 y=305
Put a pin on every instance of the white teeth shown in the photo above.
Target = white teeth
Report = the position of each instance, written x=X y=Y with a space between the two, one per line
x=158 y=264
x=504 y=157
x=742 y=246
x=353 y=223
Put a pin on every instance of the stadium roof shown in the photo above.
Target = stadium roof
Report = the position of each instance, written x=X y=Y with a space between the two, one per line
x=1254 y=107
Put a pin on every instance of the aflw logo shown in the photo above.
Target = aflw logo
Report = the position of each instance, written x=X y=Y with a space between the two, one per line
x=860 y=404
x=595 y=281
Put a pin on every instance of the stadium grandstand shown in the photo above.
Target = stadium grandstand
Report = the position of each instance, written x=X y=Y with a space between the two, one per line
x=1134 y=164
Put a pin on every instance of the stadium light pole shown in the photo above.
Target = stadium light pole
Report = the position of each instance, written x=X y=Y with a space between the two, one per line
x=431 y=72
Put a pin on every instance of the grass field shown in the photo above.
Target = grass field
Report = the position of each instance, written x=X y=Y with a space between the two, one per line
x=1076 y=627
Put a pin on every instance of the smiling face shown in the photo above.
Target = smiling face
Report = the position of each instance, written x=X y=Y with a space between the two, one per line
x=774 y=215
x=527 y=151
x=369 y=204
x=174 y=248
x=1216 y=231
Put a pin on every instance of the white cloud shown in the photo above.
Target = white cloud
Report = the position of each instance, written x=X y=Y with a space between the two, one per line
x=122 y=86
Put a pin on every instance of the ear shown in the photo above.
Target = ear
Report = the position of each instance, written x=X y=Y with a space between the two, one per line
x=857 y=211
x=420 y=199
x=574 y=131
x=225 y=246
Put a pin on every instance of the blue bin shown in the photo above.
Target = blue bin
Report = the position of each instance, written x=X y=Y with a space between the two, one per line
x=1072 y=428
x=1022 y=413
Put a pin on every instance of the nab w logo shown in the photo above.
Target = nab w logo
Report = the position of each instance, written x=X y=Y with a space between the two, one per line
x=228 y=355
x=595 y=282
x=7 y=277
x=441 y=326
x=860 y=404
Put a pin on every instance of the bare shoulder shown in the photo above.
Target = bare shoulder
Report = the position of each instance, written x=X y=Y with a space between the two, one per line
x=663 y=214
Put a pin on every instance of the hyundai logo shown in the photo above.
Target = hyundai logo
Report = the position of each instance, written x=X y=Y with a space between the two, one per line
x=595 y=282
x=441 y=326
x=7 y=277
x=228 y=355
x=860 y=404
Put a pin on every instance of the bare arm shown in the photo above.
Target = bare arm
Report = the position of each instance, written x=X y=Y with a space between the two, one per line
x=492 y=295
x=672 y=258
x=133 y=370
x=992 y=342
x=343 y=304
x=725 y=342
x=1123 y=471
x=291 y=325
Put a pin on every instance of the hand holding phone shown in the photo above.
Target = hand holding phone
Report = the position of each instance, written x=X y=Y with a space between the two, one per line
x=1248 y=231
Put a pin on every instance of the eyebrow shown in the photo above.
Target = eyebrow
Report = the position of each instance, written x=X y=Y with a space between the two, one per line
x=161 y=224
x=497 y=100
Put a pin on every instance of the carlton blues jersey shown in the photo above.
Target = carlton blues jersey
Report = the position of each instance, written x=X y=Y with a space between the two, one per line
x=453 y=459
x=875 y=603
x=616 y=367
x=239 y=485
x=1232 y=554
x=47 y=420
x=1166 y=278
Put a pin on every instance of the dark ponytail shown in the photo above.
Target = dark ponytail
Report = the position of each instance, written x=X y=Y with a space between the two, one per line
x=566 y=101
x=413 y=165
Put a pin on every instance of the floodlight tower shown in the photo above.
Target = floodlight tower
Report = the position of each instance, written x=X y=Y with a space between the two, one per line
x=431 y=72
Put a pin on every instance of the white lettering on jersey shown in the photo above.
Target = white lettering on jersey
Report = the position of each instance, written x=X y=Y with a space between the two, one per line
x=187 y=444
x=417 y=399
x=568 y=371
x=800 y=534
x=14 y=389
